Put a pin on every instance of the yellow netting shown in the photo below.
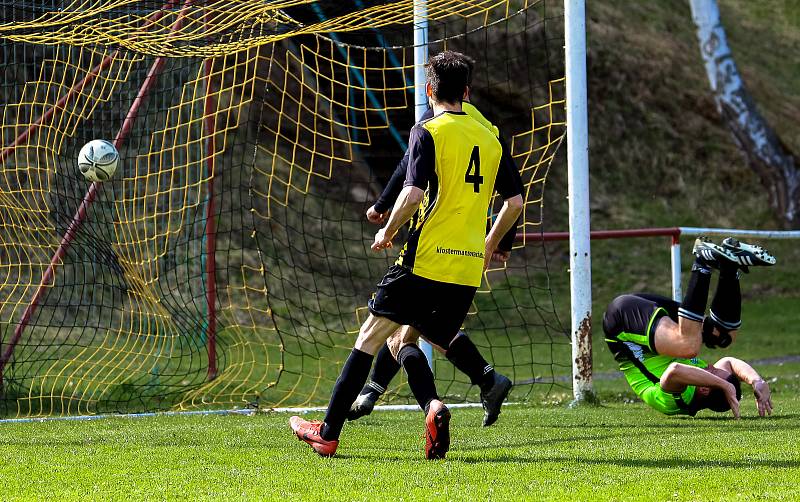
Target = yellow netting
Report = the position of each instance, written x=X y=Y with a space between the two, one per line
x=275 y=130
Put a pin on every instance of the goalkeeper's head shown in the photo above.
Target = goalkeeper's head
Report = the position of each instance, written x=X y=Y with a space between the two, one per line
x=714 y=399
x=448 y=75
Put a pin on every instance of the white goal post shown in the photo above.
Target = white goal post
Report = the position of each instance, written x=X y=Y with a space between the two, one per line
x=580 y=263
x=578 y=174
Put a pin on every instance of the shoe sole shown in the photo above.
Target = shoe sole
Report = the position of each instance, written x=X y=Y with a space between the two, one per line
x=755 y=256
x=437 y=443
x=492 y=418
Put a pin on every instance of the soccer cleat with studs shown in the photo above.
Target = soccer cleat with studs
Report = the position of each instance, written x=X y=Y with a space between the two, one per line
x=710 y=254
x=363 y=405
x=309 y=432
x=437 y=431
x=748 y=255
x=492 y=399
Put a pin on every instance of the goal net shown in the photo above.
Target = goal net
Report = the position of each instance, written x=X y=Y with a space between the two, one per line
x=227 y=263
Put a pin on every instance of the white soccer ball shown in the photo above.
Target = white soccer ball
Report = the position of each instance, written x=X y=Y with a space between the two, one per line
x=98 y=160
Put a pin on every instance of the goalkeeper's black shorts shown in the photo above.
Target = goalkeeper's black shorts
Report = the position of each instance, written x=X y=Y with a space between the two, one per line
x=633 y=319
x=436 y=309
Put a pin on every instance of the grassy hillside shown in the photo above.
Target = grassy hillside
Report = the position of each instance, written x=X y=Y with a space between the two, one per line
x=660 y=155
x=659 y=152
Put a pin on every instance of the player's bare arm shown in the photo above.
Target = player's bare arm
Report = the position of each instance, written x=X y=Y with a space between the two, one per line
x=679 y=376
x=750 y=376
x=505 y=220
x=404 y=208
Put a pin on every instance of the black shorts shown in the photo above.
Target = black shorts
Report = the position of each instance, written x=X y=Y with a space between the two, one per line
x=436 y=309
x=633 y=318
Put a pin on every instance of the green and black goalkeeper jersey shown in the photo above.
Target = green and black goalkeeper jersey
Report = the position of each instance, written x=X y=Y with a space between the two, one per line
x=629 y=324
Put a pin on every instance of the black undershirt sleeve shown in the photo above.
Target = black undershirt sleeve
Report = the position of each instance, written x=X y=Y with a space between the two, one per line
x=421 y=158
x=395 y=185
x=386 y=200
x=508 y=184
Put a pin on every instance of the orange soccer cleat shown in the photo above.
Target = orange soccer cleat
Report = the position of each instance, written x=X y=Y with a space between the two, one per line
x=437 y=431
x=308 y=431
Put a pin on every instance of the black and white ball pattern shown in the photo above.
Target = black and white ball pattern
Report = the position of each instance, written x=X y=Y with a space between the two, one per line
x=98 y=160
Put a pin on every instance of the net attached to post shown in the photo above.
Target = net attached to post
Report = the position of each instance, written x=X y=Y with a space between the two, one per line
x=227 y=263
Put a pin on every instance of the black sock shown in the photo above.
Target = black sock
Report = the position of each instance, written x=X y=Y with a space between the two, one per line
x=385 y=368
x=693 y=306
x=353 y=375
x=465 y=356
x=420 y=377
x=726 y=307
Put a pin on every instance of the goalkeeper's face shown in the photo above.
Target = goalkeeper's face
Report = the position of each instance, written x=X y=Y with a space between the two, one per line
x=714 y=399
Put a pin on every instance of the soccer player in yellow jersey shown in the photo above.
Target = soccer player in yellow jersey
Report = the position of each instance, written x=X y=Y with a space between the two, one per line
x=454 y=168
x=494 y=387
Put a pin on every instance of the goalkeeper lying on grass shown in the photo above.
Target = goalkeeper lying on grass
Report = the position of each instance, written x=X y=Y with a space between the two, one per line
x=656 y=340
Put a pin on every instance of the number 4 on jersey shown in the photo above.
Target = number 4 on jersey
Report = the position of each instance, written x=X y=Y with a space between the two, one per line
x=473 y=174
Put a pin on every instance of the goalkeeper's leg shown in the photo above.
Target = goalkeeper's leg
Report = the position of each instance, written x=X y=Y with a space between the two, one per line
x=725 y=316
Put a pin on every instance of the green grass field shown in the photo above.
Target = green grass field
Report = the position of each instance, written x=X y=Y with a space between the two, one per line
x=617 y=451
x=620 y=450
x=538 y=450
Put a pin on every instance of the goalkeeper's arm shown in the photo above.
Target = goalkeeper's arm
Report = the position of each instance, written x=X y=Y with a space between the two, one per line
x=678 y=376
x=750 y=376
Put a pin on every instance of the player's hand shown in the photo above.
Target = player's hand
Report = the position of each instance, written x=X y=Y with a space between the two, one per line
x=375 y=217
x=730 y=395
x=501 y=256
x=382 y=241
x=488 y=253
x=763 y=397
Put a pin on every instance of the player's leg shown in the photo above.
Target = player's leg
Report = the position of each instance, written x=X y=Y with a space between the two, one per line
x=725 y=315
x=494 y=386
x=685 y=339
x=466 y=357
x=403 y=346
x=324 y=436
x=421 y=382
x=383 y=371
x=693 y=306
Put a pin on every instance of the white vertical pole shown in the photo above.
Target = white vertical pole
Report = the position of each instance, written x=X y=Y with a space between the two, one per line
x=420 y=98
x=578 y=174
x=675 y=250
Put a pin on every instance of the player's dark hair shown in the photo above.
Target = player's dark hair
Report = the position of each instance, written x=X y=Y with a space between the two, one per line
x=449 y=74
x=716 y=400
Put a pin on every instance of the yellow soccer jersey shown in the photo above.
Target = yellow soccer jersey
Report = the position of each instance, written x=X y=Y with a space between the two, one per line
x=456 y=160
x=473 y=112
